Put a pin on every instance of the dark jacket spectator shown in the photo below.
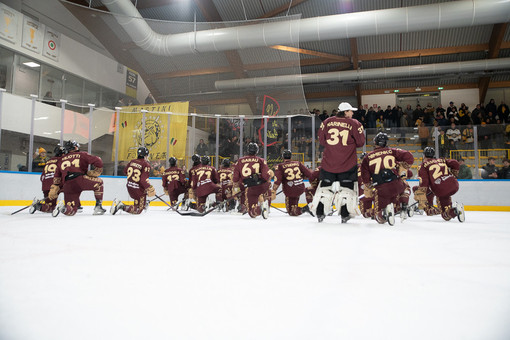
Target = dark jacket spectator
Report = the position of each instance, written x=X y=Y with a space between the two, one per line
x=489 y=170
x=202 y=148
x=464 y=171
x=504 y=172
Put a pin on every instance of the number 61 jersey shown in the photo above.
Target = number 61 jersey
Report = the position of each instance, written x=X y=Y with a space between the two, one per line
x=340 y=137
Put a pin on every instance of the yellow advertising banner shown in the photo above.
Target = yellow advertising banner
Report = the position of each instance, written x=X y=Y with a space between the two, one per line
x=165 y=134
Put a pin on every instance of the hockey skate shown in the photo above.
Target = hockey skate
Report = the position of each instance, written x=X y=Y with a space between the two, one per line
x=116 y=206
x=459 y=209
x=36 y=205
x=264 y=206
x=404 y=212
x=99 y=210
x=389 y=214
x=60 y=208
x=346 y=218
x=307 y=210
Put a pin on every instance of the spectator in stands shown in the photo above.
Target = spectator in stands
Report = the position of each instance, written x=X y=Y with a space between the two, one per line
x=443 y=143
x=441 y=120
x=428 y=114
x=489 y=170
x=489 y=118
x=504 y=172
x=150 y=99
x=476 y=115
x=484 y=138
x=379 y=123
x=388 y=116
x=417 y=113
x=405 y=123
x=371 y=118
x=423 y=134
x=440 y=110
x=464 y=118
x=503 y=111
x=468 y=137
x=324 y=115
x=451 y=108
x=202 y=148
x=464 y=171
x=491 y=107
x=453 y=134
x=39 y=161
x=48 y=99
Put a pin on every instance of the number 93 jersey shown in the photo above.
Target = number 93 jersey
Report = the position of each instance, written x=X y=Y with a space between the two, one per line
x=435 y=173
x=137 y=172
x=340 y=136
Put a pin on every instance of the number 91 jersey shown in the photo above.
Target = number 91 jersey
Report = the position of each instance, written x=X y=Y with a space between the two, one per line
x=340 y=137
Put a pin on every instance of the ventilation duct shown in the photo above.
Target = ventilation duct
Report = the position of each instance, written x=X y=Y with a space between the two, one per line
x=396 y=20
x=368 y=74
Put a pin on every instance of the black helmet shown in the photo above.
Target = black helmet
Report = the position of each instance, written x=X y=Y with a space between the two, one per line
x=381 y=139
x=195 y=159
x=253 y=148
x=287 y=154
x=205 y=160
x=429 y=152
x=142 y=152
x=172 y=161
x=58 y=151
x=225 y=162
x=70 y=145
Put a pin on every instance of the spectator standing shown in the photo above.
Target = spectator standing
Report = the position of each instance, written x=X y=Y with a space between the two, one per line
x=202 y=148
x=150 y=99
x=491 y=107
x=423 y=134
x=40 y=160
x=503 y=111
x=453 y=134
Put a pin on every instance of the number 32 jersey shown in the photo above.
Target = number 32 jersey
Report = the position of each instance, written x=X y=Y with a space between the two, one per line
x=291 y=174
x=340 y=137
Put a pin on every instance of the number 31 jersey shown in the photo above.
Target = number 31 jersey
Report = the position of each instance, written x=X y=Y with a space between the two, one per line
x=340 y=137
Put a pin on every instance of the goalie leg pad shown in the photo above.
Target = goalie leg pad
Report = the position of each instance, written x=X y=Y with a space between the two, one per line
x=324 y=195
x=349 y=198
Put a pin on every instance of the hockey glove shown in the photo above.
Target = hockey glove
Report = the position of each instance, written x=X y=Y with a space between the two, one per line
x=151 y=191
x=53 y=194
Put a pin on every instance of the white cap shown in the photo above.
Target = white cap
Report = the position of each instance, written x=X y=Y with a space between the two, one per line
x=346 y=107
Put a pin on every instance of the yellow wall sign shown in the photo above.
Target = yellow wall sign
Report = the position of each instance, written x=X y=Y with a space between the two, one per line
x=158 y=124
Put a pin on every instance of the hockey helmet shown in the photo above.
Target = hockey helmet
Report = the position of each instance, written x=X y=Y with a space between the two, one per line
x=225 y=162
x=195 y=159
x=429 y=152
x=287 y=154
x=205 y=160
x=71 y=145
x=142 y=152
x=253 y=149
x=172 y=161
x=58 y=151
x=381 y=139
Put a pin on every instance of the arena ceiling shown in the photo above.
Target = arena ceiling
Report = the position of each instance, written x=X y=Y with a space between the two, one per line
x=194 y=75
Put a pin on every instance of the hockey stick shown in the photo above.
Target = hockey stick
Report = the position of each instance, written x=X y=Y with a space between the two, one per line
x=281 y=210
x=192 y=213
x=28 y=206
x=17 y=211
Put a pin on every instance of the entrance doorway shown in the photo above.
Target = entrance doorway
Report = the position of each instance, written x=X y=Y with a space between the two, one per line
x=423 y=99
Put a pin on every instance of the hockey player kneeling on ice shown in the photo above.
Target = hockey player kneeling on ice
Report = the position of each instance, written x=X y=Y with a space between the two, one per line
x=366 y=202
x=174 y=181
x=340 y=135
x=226 y=173
x=47 y=205
x=253 y=173
x=290 y=175
x=381 y=172
x=72 y=171
x=439 y=175
x=204 y=182
x=138 y=185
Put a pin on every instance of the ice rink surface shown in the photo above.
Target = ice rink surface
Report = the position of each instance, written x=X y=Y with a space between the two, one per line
x=164 y=276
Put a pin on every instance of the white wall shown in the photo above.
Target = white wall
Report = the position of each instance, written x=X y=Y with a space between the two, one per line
x=24 y=186
x=84 y=62
x=382 y=100
x=470 y=97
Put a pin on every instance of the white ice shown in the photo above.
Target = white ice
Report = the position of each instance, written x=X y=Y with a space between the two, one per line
x=164 y=276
